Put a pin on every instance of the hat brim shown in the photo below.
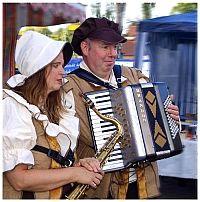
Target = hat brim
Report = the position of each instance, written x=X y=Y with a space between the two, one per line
x=67 y=53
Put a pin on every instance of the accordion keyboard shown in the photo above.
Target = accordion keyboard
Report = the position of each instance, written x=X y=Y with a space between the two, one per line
x=173 y=126
x=102 y=130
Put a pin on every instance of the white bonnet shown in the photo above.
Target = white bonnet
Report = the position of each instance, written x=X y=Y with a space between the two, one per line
x=33 y=52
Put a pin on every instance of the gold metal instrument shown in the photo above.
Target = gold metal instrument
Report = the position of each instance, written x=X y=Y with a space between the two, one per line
x=103 y=154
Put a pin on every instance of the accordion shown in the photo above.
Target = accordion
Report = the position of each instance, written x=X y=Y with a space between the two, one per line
x=150 y=133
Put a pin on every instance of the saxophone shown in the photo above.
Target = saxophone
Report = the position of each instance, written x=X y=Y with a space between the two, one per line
x=103 y=154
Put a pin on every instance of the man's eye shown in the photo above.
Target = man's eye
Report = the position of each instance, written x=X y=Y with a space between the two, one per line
x=105 y=47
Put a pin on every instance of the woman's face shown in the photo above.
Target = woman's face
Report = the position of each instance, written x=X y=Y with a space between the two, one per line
x=54 y=74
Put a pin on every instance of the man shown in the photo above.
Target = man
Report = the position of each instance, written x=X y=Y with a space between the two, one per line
x=96 y=41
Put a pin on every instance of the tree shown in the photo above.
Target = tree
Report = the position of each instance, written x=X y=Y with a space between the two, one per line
x=110 y=9
x=184 y=8
x=96 y=10
x=45 y=31
x=42 y=30
x=146 y=9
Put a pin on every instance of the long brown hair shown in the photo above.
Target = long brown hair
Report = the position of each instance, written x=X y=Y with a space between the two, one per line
x=35 y=88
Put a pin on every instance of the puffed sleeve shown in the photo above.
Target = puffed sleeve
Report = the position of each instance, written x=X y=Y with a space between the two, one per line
x=69 y=122
x=19 y=135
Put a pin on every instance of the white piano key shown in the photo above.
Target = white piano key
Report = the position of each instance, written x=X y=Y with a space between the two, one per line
x=116 y=152
x=102 y=111
x=100 y=145
x=103 y=125
x=115 y=158
x=106 y=93
x=113 y=165
x=105 y=133
x=102 y=137
x=95 y=118
x=100 y=105
x=98 y=121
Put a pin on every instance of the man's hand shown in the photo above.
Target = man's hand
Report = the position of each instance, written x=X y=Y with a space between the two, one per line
x=174 y=112
x=90 y=164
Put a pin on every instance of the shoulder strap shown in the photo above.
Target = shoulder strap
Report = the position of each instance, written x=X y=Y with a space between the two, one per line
x=63 y=161
x=87 y=76
x=118 y=73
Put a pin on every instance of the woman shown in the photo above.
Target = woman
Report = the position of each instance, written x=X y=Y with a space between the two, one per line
x=39 y=128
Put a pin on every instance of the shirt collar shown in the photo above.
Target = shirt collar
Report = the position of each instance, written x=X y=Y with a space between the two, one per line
x=111 y=81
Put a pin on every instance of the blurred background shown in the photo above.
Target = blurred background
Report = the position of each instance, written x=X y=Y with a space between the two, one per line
x=161 y=41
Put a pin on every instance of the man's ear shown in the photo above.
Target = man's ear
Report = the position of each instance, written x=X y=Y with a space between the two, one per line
x=84 y=47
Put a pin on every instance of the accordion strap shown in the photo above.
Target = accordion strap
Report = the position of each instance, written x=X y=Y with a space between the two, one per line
x=118 y=73
x=87 y=76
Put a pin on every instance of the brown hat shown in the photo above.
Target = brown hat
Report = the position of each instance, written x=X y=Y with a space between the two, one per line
x=96 y=28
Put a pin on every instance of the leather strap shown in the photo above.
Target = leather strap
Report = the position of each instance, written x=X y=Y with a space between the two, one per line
x=63 y=161
x=141 y=182
x=28 y=195
x=89 y=77
x=54 y=145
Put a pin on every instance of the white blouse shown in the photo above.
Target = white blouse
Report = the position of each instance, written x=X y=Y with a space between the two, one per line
x=19 y=134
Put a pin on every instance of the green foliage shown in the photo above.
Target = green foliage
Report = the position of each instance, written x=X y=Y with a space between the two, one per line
x=42 y=30
x=146 y=10
x=62 y=34
x=45 y=31
x=184 y=8
x=110 y=10
x=96 y=10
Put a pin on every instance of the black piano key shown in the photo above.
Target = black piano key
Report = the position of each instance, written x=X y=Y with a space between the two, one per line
x=108 y=125
x=102 y=101
x=103 y=121
x=110 y=160
x=107 y=113
x=107 y=130
x=101 y=96
x=116 y=154
x=104 y=108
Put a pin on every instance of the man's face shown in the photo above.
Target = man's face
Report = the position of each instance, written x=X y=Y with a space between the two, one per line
x=99 y=56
